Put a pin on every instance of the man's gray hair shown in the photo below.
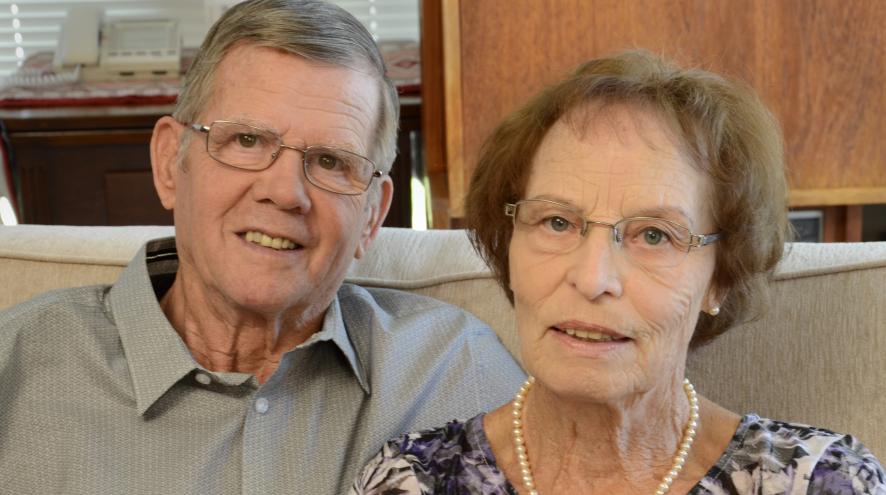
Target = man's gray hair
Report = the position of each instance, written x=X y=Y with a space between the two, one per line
x=314 y=30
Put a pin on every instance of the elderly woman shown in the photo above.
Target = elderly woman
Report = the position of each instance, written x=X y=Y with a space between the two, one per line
x=631 y=213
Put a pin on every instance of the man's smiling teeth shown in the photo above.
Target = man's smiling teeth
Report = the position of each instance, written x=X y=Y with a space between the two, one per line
x=589 y=336
x=268 y=241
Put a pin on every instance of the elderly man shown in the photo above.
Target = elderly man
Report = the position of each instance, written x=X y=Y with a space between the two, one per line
x=231 y=359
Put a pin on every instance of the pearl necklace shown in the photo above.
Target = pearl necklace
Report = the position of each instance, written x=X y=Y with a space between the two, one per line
x=663 y=487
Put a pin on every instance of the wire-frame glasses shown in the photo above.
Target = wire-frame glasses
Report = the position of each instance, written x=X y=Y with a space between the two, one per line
x=552 y=227
x=252 y=148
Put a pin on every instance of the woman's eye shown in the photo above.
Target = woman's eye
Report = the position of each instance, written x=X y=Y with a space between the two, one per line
x=654 y=236
x=247 y=140
x=557 y=224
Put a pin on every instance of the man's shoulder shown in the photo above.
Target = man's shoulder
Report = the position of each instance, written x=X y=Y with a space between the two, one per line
x=401 y=309
x=68 y=308
x=421 y=333
x=394 y=300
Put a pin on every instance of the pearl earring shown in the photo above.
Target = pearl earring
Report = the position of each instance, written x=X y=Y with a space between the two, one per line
x=714 y=311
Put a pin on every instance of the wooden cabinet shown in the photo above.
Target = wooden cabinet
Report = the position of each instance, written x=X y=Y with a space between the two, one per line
x=85 y=166
x=820 y=65
x=91 y=165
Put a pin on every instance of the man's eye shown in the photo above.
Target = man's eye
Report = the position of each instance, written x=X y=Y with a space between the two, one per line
x=247 y=140
x=329 y=162
x=557 y=224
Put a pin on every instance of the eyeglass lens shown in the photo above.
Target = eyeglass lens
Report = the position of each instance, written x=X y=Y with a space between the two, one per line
x=247 y=147
x=650 y=242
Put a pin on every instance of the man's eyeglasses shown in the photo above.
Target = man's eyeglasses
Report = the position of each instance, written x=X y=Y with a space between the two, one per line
x=253 y=148
x=652 y=242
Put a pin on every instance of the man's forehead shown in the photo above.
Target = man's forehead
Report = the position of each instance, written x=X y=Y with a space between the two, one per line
x=277 y=91
x=242 y=62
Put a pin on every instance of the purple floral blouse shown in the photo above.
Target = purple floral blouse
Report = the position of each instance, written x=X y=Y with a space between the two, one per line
x=764 y=457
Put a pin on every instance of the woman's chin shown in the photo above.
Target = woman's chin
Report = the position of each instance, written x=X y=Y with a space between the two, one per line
x=582 y=385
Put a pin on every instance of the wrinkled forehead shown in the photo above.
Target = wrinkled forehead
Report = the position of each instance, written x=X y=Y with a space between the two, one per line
x=240 y=62
x=655 y=128
x=282 y=92
x=618 y=160
x=596 y=134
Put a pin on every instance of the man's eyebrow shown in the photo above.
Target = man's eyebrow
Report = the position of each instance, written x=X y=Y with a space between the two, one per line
x=343 y=144
x=254 y=123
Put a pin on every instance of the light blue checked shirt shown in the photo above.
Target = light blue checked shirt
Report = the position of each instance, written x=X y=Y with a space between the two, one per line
x=98 y=394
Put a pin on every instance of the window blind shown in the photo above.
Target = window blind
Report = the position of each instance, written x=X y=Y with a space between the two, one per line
x=386 y=19
x=31 y=26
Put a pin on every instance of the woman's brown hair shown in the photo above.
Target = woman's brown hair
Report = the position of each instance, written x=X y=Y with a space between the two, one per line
x=727 y=132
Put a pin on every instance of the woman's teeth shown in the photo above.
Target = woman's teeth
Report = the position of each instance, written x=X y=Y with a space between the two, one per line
x=278 y=243
x=589 y=336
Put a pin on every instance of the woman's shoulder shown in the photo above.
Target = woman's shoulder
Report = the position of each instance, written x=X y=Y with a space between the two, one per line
x=455 y=456
x=765 y=454
x=847 y=466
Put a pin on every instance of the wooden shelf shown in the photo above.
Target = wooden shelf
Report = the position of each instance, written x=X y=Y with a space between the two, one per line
x=837 y=196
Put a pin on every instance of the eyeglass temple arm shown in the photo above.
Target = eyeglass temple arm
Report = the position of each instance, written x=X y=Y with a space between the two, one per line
x=699 y=240
x=199 y=127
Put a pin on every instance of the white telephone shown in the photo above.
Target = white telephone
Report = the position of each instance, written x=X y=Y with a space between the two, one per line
x=119 y=49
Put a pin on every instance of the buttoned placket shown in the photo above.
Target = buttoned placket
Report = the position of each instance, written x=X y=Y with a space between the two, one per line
x=267 y=417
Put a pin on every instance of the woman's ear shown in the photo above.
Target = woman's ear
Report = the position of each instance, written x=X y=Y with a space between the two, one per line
x=714 y=300
x=165 y=144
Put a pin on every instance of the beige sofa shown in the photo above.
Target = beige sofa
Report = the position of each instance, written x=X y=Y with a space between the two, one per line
x=817 y=357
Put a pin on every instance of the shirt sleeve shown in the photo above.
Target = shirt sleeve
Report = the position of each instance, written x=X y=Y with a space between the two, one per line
x=499 y=375
x=847 y=466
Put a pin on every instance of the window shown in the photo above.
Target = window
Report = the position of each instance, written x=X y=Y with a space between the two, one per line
x=31 y=26
x=385 y=19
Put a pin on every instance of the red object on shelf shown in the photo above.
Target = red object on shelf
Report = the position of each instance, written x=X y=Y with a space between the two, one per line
x=77 y=102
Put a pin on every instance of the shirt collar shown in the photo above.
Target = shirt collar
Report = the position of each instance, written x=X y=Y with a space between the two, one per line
x=336 y=331
x=157 y=357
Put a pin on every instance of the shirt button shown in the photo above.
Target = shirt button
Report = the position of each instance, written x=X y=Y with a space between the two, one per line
x=262 y=405
x=203 y=378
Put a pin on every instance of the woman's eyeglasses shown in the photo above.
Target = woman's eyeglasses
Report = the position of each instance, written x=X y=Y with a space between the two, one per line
x=552 y=227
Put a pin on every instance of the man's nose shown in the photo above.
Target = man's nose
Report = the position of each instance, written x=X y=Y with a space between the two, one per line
x=594 y=270
x=284 y=182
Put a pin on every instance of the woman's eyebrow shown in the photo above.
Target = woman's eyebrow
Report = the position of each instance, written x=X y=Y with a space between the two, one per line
x=558 y=199
x=666 y=212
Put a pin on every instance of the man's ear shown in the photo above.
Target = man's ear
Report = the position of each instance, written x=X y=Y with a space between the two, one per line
x=164 y=159
x=377 y=212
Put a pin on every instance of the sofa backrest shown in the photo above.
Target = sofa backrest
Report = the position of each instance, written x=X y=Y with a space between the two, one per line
x=817 y=356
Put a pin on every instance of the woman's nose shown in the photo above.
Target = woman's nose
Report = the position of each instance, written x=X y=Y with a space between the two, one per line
x=594 y=269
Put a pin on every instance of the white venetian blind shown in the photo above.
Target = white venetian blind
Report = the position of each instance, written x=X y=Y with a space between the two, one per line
x=385 y=19
x=31 y=26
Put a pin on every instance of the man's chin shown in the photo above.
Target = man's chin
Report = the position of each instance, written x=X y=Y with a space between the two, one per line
x=274 y=304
